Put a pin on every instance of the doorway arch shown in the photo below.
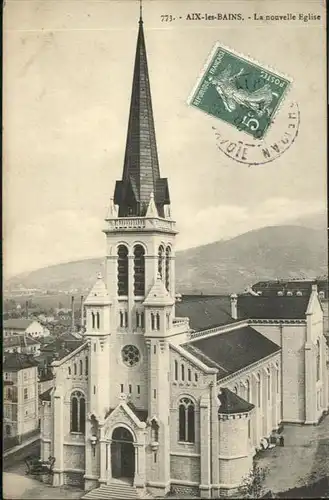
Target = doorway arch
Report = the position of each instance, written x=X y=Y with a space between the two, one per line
x=122 y=454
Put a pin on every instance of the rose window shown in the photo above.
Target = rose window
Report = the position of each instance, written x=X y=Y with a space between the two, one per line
x=130 y=355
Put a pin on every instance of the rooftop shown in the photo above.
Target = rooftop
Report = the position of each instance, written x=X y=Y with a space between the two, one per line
x=205 y=311
x=232 y=403
x=18 y=323
x=271 y=287
x=232 y=350
x=46 y=396
x=19 y=341
x=272 y=307
x=14 y=362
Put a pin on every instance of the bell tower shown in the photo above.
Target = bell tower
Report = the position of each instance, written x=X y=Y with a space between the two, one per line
x=139 y=230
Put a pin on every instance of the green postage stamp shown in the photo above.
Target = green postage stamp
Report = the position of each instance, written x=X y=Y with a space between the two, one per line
x=239 y=91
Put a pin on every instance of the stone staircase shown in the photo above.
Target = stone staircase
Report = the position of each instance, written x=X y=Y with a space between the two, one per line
x=116 y=490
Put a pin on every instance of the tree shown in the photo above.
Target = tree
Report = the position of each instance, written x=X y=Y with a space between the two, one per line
x=252 y=485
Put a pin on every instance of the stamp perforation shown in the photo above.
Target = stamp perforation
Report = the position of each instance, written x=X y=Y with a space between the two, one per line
x=243 y=57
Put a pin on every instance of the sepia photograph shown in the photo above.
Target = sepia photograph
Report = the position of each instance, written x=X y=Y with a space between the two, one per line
x=165 y=249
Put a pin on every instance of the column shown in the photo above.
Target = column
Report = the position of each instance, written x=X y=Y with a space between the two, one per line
x=139 y=479
x=205 y=436
x=310 y=385
x=109 y=462
x=214 y=424
x=103 y=452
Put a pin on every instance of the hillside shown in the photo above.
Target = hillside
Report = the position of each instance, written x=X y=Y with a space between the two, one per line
x=220 y=267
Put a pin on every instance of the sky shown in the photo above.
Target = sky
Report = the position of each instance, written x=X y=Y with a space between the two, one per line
x=67 y=80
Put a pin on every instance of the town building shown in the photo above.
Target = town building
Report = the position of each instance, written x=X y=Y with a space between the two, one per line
x=150 y=398
x=298 y=287
x=21 y=344
x=20 y=398
x=18 y=326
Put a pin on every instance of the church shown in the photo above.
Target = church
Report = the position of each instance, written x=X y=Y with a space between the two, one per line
x=150 y=399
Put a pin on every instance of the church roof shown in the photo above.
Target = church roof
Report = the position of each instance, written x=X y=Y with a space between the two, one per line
x=141 y=173
x=158 y=295
x=232 y=403
x=234 y=349
x=205 y=311
x=98 y=295
x=272 y=307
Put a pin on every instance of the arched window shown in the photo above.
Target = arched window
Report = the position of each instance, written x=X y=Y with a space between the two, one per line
x=154 y=430
x=158 y=321
x=121 y=319
x=168 y=254
x=318 y=360
x=126 y=318
x=235 y=389
x=189 y=375
x=176 y=369
x=86 y=365
x=137 y=319
x=186 y=420
x=98 y=320
x=161 y=257
x=142 y=320
x=168 y=320
x=139 y=270
x=248 y=396
x=152 y=321
x=69 y=369
x=93 y=319
x=122 y=270
x=183 y=372
x=78 y=412
x=81 y=367
x=75 y=368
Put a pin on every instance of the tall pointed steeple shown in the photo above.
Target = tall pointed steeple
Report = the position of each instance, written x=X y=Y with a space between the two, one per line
x=141 y=174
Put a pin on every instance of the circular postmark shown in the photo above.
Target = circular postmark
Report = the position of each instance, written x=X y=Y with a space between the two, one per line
x=240 y=147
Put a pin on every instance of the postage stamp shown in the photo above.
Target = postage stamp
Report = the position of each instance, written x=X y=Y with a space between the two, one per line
x=239 y=91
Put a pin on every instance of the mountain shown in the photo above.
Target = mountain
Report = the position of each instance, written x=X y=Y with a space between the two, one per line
x=220 y=267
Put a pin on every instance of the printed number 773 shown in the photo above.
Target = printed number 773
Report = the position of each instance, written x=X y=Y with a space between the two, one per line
x=167 y=18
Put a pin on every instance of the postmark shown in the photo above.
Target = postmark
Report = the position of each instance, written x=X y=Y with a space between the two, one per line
x=282 y=134
x=239 y=91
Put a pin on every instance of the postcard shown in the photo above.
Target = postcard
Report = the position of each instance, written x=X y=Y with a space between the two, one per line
x=165 y=251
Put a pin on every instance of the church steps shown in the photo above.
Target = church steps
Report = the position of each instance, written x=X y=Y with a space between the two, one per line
x=115 y=491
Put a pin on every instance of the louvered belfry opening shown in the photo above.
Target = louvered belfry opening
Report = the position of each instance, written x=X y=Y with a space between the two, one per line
x=141 y=173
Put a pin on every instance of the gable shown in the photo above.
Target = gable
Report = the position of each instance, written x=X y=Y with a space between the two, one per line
x=122 y=415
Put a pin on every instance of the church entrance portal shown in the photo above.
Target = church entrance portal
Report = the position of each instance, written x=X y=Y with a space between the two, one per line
x=122 y=454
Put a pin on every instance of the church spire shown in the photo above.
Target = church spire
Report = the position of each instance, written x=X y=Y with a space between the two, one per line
x=141 y=174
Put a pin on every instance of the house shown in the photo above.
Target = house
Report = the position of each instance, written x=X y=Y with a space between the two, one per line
x=21 y=344
x=20 y=395
x=29 y=327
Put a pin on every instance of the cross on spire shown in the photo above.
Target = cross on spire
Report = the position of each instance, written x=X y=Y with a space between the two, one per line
x=140 y=11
